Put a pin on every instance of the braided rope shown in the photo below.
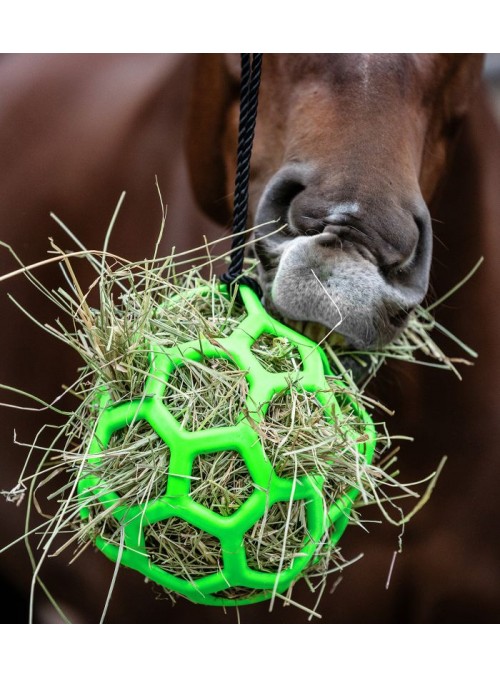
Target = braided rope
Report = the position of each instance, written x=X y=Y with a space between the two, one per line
x=249 y=97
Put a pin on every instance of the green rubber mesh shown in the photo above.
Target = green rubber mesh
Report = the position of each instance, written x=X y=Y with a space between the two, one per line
x=185 y=446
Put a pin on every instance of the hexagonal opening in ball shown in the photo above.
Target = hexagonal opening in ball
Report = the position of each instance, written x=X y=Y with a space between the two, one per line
x=206 y=394
x=134 y=464
x=221 y=481
x=277 y=354
x=278 y=537
x=182 y=549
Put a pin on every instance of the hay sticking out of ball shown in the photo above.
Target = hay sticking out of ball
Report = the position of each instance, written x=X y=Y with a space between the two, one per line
x=130 y=306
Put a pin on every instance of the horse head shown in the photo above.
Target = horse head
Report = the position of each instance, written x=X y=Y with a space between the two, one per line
x=349 y=149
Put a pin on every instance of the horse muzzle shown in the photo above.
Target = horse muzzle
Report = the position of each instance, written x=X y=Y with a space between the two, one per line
x=354 y=260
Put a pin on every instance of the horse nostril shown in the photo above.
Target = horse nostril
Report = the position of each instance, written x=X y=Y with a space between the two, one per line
x=285 y=191
x=400 y=318
x=279 y=194
x=392 y=271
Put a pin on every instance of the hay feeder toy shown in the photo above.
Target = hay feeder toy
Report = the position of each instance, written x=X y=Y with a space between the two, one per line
x=243 y=584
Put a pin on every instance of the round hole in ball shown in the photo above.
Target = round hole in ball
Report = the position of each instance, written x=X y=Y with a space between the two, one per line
x=206 y=394
x=182 y=549
x=221 y=481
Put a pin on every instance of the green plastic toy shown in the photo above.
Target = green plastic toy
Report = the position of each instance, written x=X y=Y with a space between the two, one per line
x=186 y=445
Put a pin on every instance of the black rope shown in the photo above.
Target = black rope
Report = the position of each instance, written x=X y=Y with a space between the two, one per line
x=249 y=97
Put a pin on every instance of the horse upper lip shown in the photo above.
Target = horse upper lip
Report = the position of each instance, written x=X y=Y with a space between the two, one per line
x=334 y=238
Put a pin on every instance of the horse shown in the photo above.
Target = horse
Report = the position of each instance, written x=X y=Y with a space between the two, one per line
x=347 y=161
x=353 y=154
x=364 y=159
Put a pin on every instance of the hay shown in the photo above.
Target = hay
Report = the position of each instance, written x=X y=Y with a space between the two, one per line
x=139 y=303
x=206 y=394
x=135 y=464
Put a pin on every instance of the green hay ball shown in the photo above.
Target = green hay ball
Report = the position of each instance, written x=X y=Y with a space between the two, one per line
x=242 y=438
